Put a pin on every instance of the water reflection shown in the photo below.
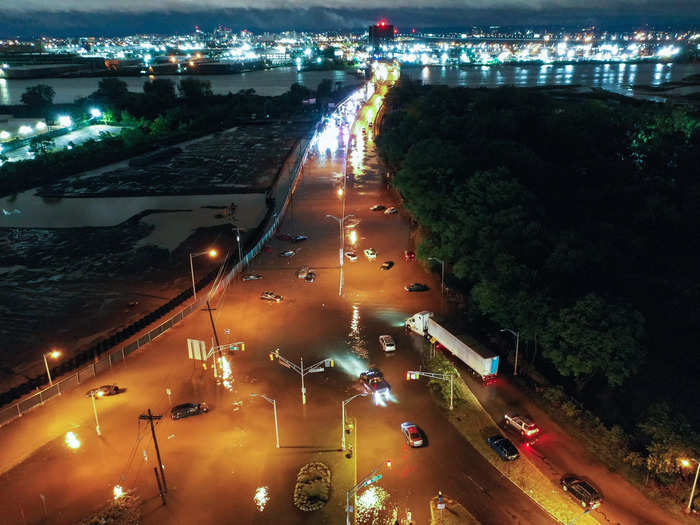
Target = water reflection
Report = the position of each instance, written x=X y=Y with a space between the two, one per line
x=355 y=338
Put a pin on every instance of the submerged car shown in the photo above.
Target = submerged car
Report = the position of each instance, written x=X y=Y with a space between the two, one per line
x=188 y=409
x=586 y=494
x=310 y=277
x=504 y=448
x=391 y=211
x=378 y=207
x=412 y=434
x=373 y=382
x=271 y=296
x=252 y=277
x=416 y=287
x=104 y=390
x=288 y=253
x=409 y=256
x=371 y=254
x=299 y=238
x=303 y=272
x=352 y=256
x=387 y=265
x=387 y=343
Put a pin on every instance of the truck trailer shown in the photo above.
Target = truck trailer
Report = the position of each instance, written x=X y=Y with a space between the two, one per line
x=481 y=361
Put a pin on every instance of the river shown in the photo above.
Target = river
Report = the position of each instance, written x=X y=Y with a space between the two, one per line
x=269 y=83
x=616 y=77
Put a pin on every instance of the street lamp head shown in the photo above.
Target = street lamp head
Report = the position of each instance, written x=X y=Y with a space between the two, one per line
x=685 y=462
x=340 y=192
x=54 y=354
x=212 y=253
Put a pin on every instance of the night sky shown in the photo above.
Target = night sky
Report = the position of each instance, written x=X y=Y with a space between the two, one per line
x=28 y=18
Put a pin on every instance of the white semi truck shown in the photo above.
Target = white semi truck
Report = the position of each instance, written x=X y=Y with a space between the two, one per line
x=481 y=361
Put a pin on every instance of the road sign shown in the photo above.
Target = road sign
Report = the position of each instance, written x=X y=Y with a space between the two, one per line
x=440 y=506
x=315 y=370
x=372 y=480
x=196 y=349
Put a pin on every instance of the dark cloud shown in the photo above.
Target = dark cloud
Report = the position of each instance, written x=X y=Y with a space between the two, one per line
x=176 y=16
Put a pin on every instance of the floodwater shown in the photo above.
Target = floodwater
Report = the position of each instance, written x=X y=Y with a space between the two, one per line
x=269 y=83
x=26 y=210
x=616 y=77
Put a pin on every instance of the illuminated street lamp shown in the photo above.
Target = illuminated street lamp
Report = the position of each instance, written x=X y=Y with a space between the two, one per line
x=95 y=113
x=211 y=253
x=274 y=407
x=53 y=354
x=686 y=463
x=363 y=394
x=65 y=121
x=517 y=345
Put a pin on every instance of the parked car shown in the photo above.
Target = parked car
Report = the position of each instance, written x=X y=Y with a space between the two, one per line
x=352 y=256
x=299 y=238
x=371 y=254
x=252 y=277
x=104 y=390
x=412 y=434
x=188 y=409
x=522 y=424
x=288 y=253
x=387 y=265
x=409 y=256
x=271 y=296
x=387 y=343
x=310 y=277
x=416 y=287
x=586 y=494
x=391 y=211
x=378 y=207
x=504 y=448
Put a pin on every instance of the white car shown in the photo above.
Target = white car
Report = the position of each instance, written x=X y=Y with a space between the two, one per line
x=271 y=296
x=387 y=343
x=371 y=254
x=522 y=424
x=391 y=211
x=352 y=256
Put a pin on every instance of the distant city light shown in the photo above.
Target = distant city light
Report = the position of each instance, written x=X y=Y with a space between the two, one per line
x=40 y=126
x=25 y=130
x=95 y=113
x=4 y=135
x=65 y=121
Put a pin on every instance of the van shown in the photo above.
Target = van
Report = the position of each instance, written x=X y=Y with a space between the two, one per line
x=387 y=343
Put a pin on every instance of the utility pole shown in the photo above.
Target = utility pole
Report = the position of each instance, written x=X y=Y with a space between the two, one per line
x=211 y=318
x=150 y=418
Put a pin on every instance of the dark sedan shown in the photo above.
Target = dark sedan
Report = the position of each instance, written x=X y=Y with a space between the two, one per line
x=504 y=448
x=416 y=287
x=586 y=494
x=104 y=390
x=188 y=409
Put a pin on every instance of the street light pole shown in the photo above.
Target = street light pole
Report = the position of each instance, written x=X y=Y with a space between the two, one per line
x=341 y=221
x=300 y=369
x=689 y=508
x=517 y=347
x=211 y=253
x=363 y=394
x=442 y=273
x=273 y=402
x=54 y=354
x=94 y=409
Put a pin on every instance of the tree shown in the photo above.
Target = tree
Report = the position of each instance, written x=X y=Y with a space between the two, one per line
x=194 y=89
x=41 y=144
x=595 y=338
x=111 y=91
x=38 y=97
x=324 y=89
x=160 y=92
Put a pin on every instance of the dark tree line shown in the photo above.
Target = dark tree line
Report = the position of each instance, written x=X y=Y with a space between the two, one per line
x=573 y=219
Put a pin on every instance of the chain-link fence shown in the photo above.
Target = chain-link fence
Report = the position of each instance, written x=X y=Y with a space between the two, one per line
x=285 y=185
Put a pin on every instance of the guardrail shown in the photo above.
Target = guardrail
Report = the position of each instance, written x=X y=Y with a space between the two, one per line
x=11 y=412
